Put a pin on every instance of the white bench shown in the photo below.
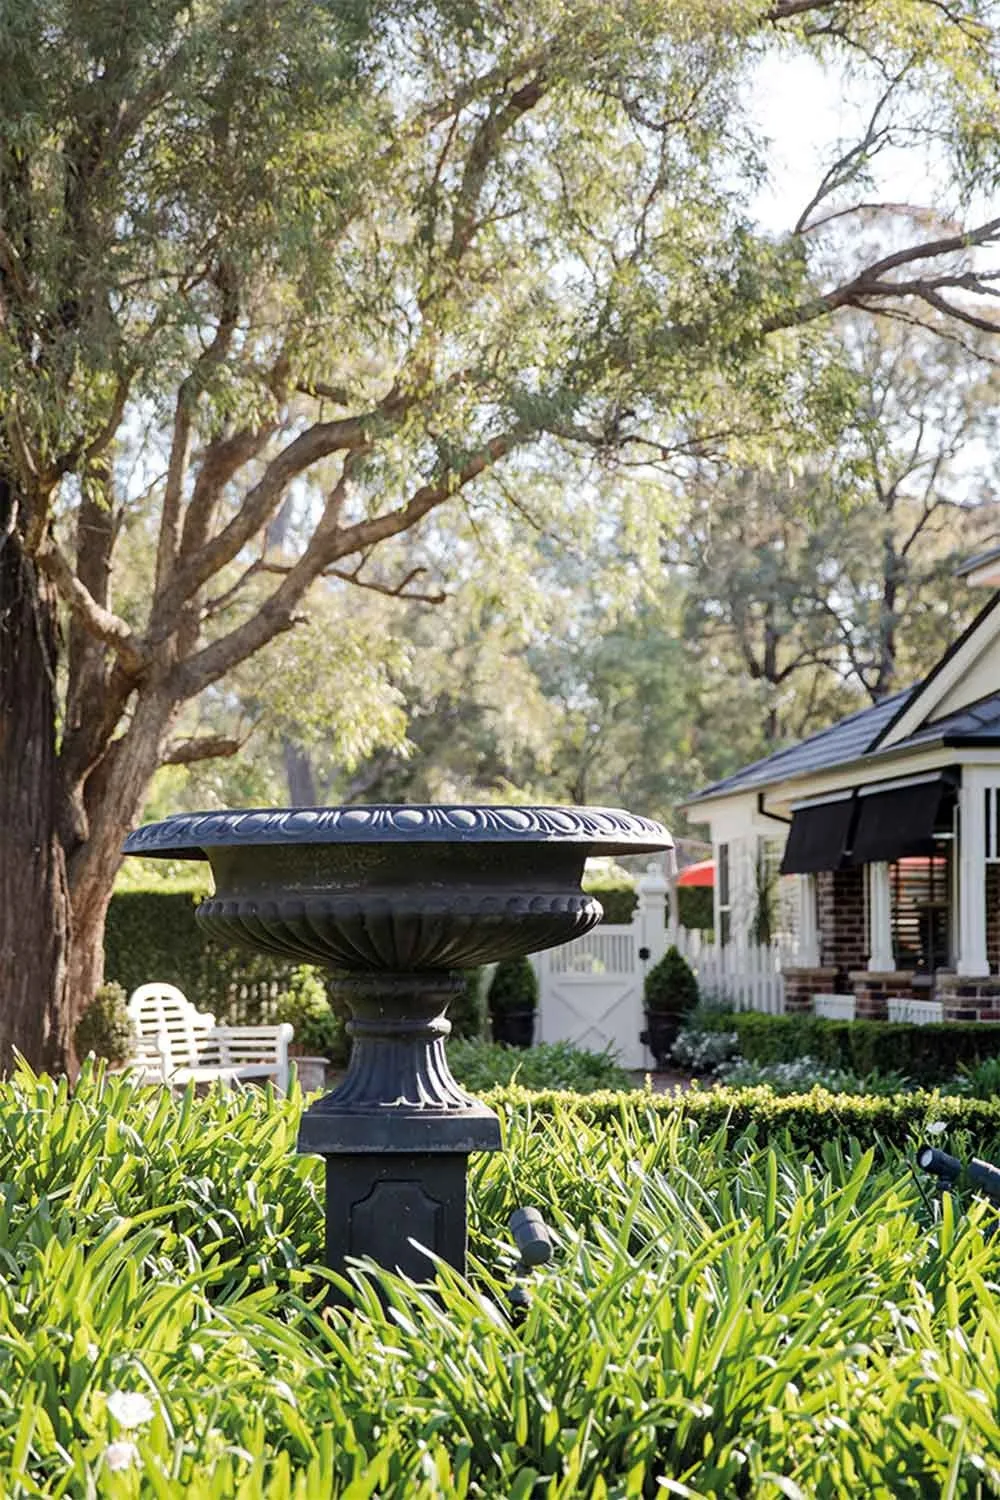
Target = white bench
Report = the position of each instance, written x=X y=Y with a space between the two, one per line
x=834 y=1007
x=177 y=1044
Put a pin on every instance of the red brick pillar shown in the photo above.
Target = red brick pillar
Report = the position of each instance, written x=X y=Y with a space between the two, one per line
x=873 y=991
x=802 y=984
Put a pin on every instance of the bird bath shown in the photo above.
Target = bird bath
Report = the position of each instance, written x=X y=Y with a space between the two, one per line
x=398 y=900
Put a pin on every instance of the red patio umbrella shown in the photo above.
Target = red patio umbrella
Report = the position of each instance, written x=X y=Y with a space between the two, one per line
x=702 y=873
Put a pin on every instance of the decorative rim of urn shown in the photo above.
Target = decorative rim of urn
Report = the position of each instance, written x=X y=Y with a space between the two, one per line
x=608 y=830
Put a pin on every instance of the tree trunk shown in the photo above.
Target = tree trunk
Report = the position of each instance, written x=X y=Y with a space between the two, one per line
x=35 y=916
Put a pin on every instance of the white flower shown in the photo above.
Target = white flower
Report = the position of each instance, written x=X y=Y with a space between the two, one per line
x=130 y=1408
x=938 y=1128
x=121 y=1455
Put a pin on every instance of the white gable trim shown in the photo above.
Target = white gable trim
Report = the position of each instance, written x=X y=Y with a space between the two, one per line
x=943 y=683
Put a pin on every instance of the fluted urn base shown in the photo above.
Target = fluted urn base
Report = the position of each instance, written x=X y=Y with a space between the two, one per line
x=398 y=1094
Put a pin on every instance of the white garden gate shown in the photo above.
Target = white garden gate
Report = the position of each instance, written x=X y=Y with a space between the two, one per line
x=590 y=990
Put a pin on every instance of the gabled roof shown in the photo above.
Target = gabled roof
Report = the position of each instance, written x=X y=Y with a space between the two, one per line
x=845 y=741
x=975 y=724
x=976 y=638
x=904 y=721
x=857 y=738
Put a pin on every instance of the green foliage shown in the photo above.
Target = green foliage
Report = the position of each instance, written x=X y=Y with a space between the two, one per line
x=514 y=986
x=788 y=1315
x=319 y=1032
x=480 y=1065
x=805 y=1074
x=152 y=934
x=981 y=1079
x=806 y=1120
x=694 y=907
x=618 y=900
x=670 y=987
x=927 y=1054
x=467 y=1012
x=104 y=1027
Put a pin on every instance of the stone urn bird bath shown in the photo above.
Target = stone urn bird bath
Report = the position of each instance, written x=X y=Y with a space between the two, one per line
x=398 y=900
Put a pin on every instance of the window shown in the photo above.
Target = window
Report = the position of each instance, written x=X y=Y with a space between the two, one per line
x=725 y=899
x=921 y=911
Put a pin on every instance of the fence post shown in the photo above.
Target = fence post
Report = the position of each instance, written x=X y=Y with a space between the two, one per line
x=650 y=918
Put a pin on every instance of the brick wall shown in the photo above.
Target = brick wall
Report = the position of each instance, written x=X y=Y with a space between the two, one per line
x=872 y=992
x=802 y=984
x=843 y=936
x=967 y=999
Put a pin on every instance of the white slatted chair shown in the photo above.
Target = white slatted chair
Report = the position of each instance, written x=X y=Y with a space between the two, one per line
x=192 y=1049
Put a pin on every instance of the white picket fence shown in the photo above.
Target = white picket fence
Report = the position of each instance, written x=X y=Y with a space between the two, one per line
x=590 y=990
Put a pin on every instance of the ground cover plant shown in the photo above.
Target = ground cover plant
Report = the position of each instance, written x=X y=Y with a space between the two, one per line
x=480 y=1065
x=723 y=1317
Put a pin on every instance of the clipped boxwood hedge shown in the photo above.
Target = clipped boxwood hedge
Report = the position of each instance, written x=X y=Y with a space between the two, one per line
x=926 y=1054
x=810 y=1120
x=694 y=903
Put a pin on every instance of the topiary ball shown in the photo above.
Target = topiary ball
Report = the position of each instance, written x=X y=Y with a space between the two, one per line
x=670 y=987
x=514 y=986
x=105 y=1027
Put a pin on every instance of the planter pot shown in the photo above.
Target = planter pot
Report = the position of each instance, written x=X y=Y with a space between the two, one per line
x=516 y=1028
x=311 y=1073
x=660 y=1035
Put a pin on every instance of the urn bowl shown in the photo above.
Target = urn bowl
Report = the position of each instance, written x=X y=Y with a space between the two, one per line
x=399 y=888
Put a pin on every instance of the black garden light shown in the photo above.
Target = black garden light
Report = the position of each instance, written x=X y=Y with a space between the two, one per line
x=402 y=899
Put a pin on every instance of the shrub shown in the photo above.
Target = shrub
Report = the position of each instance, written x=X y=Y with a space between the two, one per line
x=704 y=1052
x=467 y=1012
x=670 y=987
x=927 y=1054
x=514 y=986
x=480 y=1065
x=104 y=1028
x=319 y=1031
x=980 y=1080
x=806 y=1073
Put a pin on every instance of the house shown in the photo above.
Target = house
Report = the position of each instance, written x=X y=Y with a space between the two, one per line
x=871 y=850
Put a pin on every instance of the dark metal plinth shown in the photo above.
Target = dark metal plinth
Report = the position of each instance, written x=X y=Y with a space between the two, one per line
x=377 y=1205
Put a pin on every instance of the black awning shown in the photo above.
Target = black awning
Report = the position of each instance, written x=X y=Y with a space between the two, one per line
x=819 y=837
x=900 y=821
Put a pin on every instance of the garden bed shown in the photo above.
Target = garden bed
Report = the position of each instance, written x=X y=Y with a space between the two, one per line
x=746 y=1299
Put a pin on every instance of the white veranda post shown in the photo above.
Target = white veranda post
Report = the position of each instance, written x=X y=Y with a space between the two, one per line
x=978 y=840
x=882 y=959
x=808 y=923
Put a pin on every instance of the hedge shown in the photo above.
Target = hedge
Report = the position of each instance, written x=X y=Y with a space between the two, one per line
x=694 y=903
x=154 y=935
x=925 y=1054
x=809 y=1119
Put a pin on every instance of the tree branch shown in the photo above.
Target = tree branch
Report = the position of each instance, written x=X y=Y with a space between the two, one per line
x=328 y=544
x=99 y=622
x=187 y=397
x=203 y=747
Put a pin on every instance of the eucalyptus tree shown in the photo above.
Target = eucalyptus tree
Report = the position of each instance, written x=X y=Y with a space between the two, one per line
x=831 y=581
x=370 y=254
